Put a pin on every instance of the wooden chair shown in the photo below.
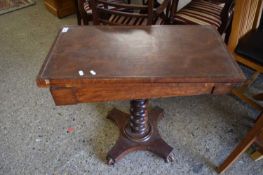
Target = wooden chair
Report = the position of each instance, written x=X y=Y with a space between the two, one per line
x=84 y=11
x=246 y=44
x=114 y=13
x=204 y=12
x=255 y=135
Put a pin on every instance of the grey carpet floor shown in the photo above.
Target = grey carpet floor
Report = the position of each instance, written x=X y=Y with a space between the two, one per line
x=33 y=131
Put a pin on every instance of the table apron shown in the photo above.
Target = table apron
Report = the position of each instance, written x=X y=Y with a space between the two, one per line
x=112 y=92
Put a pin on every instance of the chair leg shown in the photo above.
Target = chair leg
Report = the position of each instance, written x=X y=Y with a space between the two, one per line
x=227 y=34
x=258 y=97
x=240 y=92
x=250 y=81
x=249 y=139
x=78 y=18
x=257 y=155
x=240 y=149
x=77 y=12
x=86 y=19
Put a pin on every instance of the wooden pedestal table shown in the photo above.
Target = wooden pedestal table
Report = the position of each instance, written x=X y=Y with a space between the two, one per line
x=103 y=63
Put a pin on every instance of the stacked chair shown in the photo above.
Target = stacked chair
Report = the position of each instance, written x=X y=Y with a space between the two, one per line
x=255 y=135
x=116 y=10
x=106 y=12
x=246 y=44
x=204 y=12
x=84 y=11
x=217 y=13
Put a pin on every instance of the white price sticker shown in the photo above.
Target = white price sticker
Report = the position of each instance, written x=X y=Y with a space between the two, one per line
x=92 y=72
x=81 y=73
x=65 y=29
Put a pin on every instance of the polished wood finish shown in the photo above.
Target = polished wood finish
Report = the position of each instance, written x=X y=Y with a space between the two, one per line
x=138 y=124
x=134 y=63
x=107 y=91
x=254 y=135
x=156 y=54
x=246 y=18
x=61 y=8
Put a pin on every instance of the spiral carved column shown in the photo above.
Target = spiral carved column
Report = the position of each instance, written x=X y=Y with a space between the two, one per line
x=139 y=116
x=139 y=131
x=138 y=128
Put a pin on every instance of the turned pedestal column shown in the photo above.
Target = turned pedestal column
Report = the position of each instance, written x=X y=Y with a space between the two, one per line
x=138 y=131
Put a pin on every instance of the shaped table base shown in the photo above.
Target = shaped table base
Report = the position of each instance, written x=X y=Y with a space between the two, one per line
x=138 y=132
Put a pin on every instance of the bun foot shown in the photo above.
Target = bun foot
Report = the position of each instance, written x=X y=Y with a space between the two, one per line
x=169 y=158
x=110 y=161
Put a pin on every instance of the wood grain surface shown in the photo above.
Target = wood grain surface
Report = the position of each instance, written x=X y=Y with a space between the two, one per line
x=137 y=62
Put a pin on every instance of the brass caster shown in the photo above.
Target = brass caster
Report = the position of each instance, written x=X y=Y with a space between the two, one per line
x=110 y=161
x=169 y=158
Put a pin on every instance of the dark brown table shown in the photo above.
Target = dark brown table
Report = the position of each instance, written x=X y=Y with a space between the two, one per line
x=103 y=63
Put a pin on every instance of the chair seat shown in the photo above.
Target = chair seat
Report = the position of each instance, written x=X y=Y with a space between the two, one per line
x=200 y=12
x=251 y=46
x=87 y=7
x=132 y=21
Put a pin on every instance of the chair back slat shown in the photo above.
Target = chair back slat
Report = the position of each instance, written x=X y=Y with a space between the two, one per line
x=107 y=22
x=103 y=9
x=123 y=13
x=123 y=5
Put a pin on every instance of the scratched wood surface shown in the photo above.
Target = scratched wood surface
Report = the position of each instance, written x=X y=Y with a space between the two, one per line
x=139 y=54
x=137 y=63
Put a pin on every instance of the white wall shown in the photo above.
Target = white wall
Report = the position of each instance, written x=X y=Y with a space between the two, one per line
x=182 y=3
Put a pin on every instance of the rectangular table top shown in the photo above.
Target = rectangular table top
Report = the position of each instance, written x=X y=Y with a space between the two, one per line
x=149 y=54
